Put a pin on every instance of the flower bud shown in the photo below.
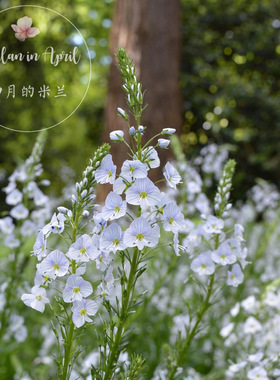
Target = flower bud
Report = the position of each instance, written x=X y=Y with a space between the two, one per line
x=132 y=131
x=63 y=210
x=168 y=131
x=163 y=143
x=116 y=135
x=122 y=113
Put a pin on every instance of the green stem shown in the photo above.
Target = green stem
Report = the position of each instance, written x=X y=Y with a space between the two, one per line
x=9 y=293
x=155 y=291
x=114 y=353
x=69 y=341
x=68 y=349
x=148 y=143
x=194 y=330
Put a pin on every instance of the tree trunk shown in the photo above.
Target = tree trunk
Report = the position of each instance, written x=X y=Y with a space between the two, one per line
x=150 y=33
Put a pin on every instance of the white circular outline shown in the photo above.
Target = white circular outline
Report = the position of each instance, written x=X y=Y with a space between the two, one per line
x=89 y=81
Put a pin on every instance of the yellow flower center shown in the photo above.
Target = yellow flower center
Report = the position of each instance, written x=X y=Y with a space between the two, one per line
x=46 y=279
x=116 y=242
x=232 y=276
x=39 y=298
x=76 y=290
x=109 y=173
x=203 y=266
x=171 y=221
x=223 y=256
x=117 y=209
x=83 y=312
x=143 y=195
x=132 y=169
x=43 y=248
x=140 y=237
x=56 y=267
x=83 y=251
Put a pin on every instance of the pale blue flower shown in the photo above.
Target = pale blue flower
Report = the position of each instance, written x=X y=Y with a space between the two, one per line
x=143 y=192
x=238 y=232
x=106 y=287
x=150 y=158
x=81 y=311
x=173 y=219
x=177 y=246
x=203 y=264
x=14 y=197
x=37 y=299
x=235 y=276
x=114 y=207
x=19 y=212
x=56 y=225
x=141 y=234
x=41 y=278
x=213 y=225
x=76 y=289
x=10 y=187
x=171 y=175
x=257 y=373
x=102 y=261
x=28 y=228
x=133 y=169
x=11 y=242
x=223 y=255
x=40 y=198
x=120 y=185
x=99 y=221
x=6 y=225
x=106 y=173
x=84 y=249
x=54 y=265
x=112 y=239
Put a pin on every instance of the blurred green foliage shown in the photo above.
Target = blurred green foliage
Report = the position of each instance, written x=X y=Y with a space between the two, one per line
x=231 y=85
x=71 y=143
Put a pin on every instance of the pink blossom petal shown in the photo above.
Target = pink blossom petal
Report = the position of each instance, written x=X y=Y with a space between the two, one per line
x=24 y=22
x=20 y=36
x=32 y=32
x=15 y=28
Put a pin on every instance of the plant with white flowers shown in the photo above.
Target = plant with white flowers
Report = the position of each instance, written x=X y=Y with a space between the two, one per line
x=29 y=211
x=127 y=229
x=217 y=258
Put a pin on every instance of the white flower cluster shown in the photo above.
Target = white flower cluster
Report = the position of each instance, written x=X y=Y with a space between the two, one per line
x=209 y=243
x=23 y=193
x=265 y=196
x=254 y=328
x=211 y=160
x=220 y=250
x=131 y=187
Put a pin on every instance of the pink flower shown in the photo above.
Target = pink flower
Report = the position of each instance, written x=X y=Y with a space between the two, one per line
x=23 y=28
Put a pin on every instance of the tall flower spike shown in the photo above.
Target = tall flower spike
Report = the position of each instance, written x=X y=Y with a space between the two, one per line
x=85 y=190
x=132 y=86
x=222 y=206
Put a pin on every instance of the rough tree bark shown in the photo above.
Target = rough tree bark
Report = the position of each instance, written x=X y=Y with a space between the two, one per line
x=149 y=30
